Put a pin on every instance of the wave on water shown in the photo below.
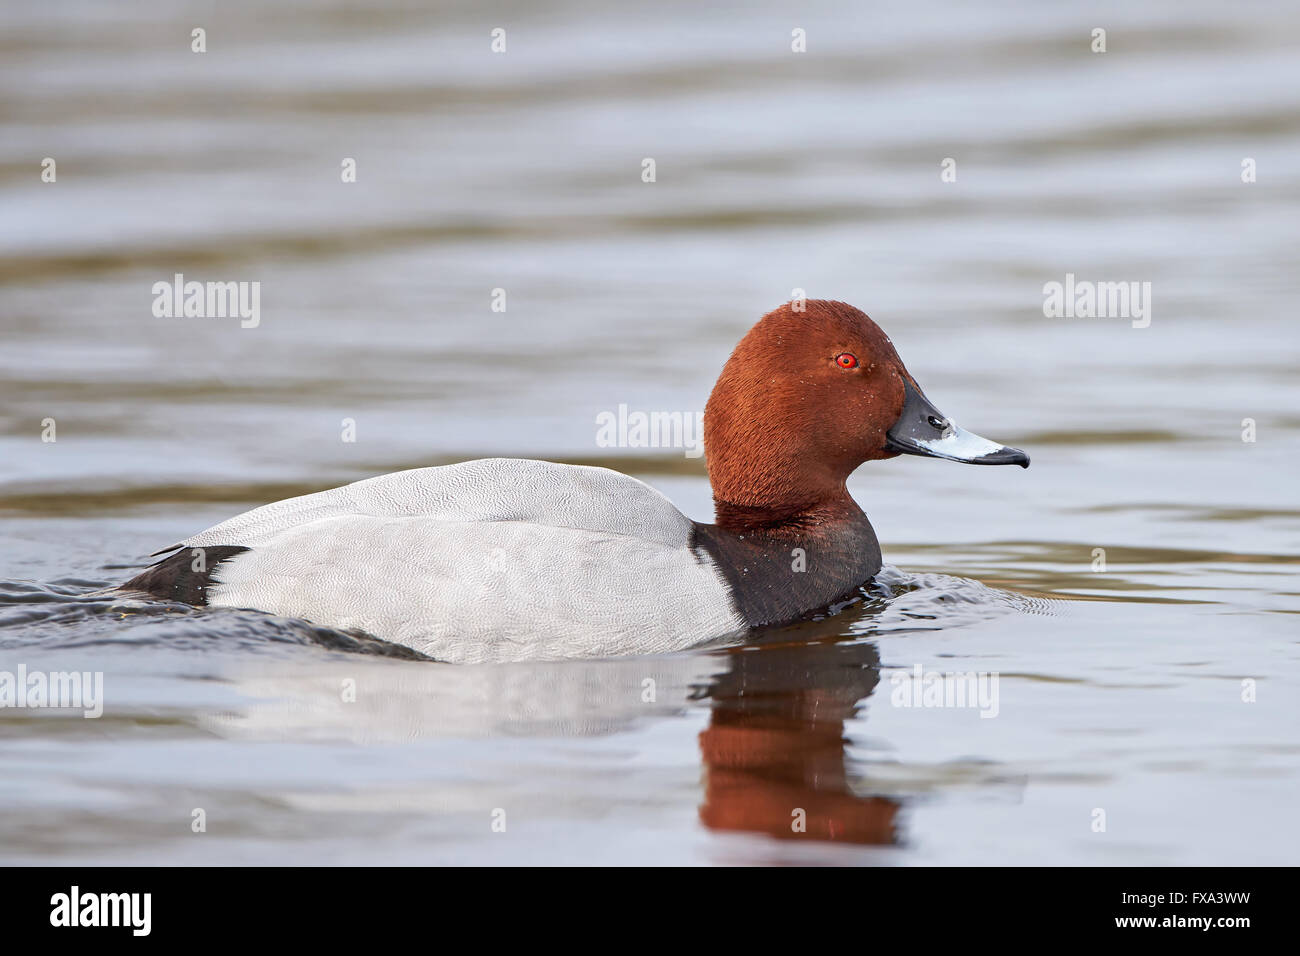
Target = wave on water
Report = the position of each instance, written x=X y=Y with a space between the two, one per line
x=79 y=613
x=898 y=601
x=74 y=613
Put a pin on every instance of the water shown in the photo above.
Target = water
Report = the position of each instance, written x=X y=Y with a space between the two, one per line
x=1118 y=690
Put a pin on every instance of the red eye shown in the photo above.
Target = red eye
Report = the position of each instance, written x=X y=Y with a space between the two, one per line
x=846 y=360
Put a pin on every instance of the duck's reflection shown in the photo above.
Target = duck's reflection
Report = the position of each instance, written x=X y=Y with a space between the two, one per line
x=774 y=750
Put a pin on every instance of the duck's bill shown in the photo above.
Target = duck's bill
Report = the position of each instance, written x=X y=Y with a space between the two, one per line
x=922 y=429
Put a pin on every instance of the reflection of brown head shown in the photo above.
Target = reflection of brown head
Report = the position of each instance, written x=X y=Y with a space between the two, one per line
x=774 y=750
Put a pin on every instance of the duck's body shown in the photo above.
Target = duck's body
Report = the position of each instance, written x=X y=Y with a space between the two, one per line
x=509 y=559
x=500 y=559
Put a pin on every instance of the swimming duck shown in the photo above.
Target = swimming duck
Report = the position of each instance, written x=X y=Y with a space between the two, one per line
x=512 y=559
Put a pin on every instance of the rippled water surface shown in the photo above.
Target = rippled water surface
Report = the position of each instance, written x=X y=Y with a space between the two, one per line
x=1151 y=683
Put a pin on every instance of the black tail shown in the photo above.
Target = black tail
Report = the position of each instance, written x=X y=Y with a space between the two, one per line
x=184 y=576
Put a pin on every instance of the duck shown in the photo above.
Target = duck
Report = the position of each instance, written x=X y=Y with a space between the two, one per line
x=504 y=559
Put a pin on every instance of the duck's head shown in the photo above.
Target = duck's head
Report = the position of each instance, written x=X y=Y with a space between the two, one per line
x=809 y=395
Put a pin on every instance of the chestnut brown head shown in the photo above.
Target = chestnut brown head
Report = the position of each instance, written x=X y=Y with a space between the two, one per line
x=809 y=395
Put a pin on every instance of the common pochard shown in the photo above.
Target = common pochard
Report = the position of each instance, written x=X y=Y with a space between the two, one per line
x=510 y=559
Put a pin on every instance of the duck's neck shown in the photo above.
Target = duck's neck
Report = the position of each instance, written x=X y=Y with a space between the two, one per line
x=784 y=561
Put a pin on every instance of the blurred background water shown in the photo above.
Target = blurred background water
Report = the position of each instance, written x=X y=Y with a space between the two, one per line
x=775 y=171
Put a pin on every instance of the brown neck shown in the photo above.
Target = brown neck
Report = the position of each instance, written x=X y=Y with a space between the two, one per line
x=767 y=471
x=780 y=566
x=791 y=516
x=788 y=538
